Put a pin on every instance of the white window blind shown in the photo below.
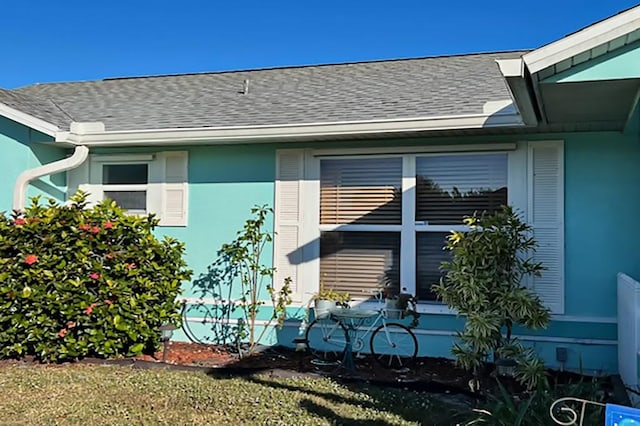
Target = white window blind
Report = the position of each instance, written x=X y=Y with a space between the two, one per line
x=449 y=187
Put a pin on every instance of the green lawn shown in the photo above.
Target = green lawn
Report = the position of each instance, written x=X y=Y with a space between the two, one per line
x=107 y=395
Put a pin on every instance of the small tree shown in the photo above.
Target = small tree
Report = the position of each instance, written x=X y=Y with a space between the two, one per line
x=244 y=257
x=484 y=283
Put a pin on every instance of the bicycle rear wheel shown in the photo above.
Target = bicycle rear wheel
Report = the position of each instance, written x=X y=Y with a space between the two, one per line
x=394 y=346
x=326 y=339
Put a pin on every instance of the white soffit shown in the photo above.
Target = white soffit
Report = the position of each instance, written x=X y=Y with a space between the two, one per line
x=598 y=34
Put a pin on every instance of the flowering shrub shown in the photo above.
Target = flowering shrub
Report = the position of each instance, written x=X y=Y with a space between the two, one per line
x=79 y=281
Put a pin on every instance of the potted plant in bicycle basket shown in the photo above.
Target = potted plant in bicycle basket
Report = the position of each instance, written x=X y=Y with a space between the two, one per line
x=401 y=306
x=327 y=299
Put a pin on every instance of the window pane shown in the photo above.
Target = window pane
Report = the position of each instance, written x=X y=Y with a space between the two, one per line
x=132 y=201
x=429 y=256
x=362 y=191
x=124 y=174
x=360 y=262
x=449 y=187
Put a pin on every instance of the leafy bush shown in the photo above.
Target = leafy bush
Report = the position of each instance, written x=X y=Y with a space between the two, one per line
x=80 y=281
x=484 y=283
x=504 y=409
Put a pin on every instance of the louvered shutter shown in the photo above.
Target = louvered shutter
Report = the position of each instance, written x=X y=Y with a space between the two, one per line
x=546 y=215
x=288 y=219
x=173 y=209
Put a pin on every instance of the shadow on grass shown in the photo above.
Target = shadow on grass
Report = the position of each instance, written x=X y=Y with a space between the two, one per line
x=334 y=418
x=432 y=412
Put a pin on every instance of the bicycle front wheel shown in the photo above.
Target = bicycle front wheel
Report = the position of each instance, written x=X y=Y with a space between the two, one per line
x=326 y=339
x=394 y=346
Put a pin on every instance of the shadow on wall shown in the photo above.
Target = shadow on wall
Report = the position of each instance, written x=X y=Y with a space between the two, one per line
x=215 y=319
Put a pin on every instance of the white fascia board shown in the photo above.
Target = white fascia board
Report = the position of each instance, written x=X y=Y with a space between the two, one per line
x=29 y=120
x=583 y=40
x=513 y=71
x=511 y=67
x=288 y=132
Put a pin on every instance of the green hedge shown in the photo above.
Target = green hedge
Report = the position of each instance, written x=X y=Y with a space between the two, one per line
x=80 y=281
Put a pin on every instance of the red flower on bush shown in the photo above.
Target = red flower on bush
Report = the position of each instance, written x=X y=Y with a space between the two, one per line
x=62 y=332
x=30 y=259
x=95 y=229
x=131 y=265
x=84 y=226
x=108 y=302
x=94 y=275
x=89 y=309
x=71 y=324
x=107 y=225
x=19 y=221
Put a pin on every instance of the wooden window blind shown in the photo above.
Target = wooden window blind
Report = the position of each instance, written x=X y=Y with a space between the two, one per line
x=361 y=191
x=360 y=262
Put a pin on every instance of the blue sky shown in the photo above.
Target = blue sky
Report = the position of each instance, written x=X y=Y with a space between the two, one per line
x=45 y=41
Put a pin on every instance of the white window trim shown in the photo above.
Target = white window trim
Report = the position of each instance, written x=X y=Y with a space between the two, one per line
x=517 y=197
x=161 y=188
x=96 y=177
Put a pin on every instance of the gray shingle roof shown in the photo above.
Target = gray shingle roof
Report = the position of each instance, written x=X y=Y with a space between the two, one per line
x=38 y=106
x=407 y=88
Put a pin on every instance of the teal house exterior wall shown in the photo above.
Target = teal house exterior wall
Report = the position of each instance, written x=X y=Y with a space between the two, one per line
x=601 y=178
x=21 y=150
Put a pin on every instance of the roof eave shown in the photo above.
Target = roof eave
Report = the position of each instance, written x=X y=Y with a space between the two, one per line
x=288 y=132
x=583 y=40
x=29 y=120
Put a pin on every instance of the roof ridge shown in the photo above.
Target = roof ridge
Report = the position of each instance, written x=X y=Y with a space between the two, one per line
x=279 y=67
x=332 y=64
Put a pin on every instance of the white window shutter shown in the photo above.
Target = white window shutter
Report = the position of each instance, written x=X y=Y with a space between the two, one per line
x=546 y=215
x=174 y=188
x=288 y=219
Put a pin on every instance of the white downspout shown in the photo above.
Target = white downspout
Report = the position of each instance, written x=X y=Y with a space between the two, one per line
x=20 y=188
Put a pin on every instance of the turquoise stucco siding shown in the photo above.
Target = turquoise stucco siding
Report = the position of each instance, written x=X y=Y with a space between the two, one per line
x=602 y=175
x=601 y=178
x=21 y=151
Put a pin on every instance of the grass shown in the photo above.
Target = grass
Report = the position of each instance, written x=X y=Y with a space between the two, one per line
x=98 y=395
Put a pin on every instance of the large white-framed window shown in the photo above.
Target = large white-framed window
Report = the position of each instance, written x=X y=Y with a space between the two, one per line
x=384 y=219
x=139 y=183
x=355 y=219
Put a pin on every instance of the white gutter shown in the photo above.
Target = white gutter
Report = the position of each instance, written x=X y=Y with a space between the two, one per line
x=292 y=132
x=20 y=189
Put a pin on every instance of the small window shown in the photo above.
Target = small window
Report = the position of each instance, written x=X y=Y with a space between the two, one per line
x=125 y=174
x=134 y=202
x=126 y=184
